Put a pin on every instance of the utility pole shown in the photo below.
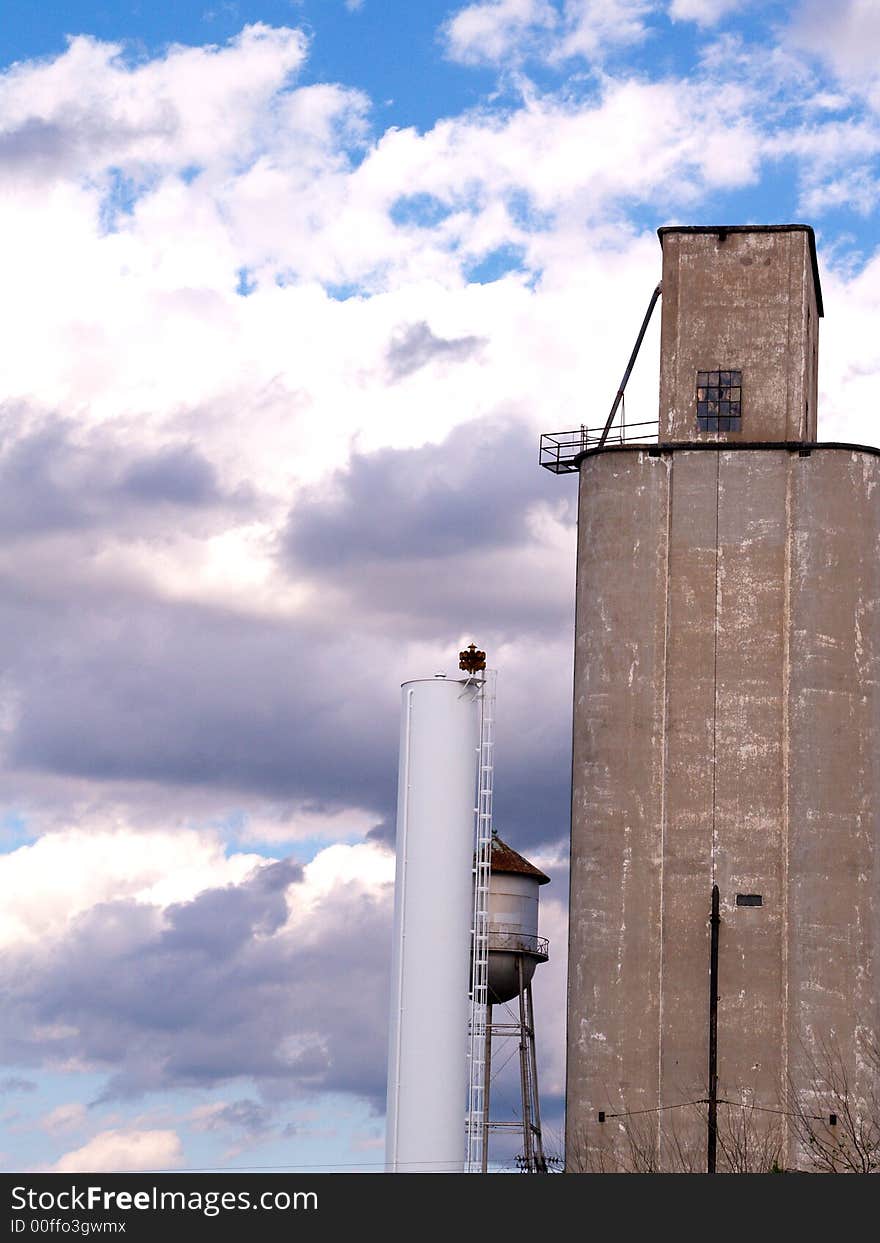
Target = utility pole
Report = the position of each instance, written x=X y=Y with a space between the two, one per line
x=712 y=1137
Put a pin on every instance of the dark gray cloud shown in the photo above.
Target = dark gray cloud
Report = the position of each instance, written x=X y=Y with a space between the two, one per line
x=131 y=689
x=43 y=481
x=213 y=994
x=471 y=493
x=251 y=1117
x=110 y=685
x=414 y=346
x=50 y=481
x=14 y=1083
x=438 y=541
x=221 y=920
x=82 y=140
x=35 y=142
x=220 y=992
x=385 y=832
x=178 y=474
x=532 y=802
x=115 y=691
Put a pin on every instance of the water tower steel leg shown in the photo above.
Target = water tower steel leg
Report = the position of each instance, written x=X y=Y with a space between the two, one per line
x=524 y=1072
x=488 y=1074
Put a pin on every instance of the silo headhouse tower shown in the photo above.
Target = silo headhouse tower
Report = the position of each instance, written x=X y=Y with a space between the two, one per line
x=726 y=731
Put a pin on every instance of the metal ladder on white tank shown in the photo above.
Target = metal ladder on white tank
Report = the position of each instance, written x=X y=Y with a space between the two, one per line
x=479 y=991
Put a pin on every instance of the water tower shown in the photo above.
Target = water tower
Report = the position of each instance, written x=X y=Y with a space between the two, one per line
x=465 y=934
x=515 y=949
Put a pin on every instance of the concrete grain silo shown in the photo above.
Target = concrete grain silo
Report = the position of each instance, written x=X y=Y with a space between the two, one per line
x=726 y=736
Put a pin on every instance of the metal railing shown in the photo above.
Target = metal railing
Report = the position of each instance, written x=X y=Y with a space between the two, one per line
x=559 y=451
x=511 y=940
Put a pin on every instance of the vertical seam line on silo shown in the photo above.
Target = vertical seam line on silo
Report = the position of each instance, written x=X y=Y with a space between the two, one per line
x=571 y=845
x=786 y=764
x=669 y=461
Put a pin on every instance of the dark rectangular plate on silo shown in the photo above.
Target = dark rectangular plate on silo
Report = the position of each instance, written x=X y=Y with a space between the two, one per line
x=749 y=899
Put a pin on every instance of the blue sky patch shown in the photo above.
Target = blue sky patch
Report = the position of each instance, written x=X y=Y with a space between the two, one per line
x=422 y=210
x=495 y=265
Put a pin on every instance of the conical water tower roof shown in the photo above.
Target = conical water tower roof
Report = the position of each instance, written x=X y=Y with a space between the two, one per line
x=506 y=859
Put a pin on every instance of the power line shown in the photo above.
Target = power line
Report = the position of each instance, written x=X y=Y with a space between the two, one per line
x=656 y=1109
x=704 y=1100
x=318 y=1167
x=785 y=1113
x=351 y=1165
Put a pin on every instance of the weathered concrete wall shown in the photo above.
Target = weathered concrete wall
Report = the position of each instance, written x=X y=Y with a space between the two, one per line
x=614 y=968
x=834 y=763
x=750 y=755
x=743 y=300
x=726 y=730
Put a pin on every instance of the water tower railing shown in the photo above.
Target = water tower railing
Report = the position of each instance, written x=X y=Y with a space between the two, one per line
x=509 y=939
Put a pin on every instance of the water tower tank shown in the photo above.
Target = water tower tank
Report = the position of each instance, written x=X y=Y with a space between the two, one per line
x=515 y=948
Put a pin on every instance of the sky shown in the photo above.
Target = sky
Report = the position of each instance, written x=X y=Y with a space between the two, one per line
x=289 y=292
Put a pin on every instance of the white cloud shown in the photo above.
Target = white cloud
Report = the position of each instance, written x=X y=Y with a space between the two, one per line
x=278 y=386
x=68 y=1117
x=492 y=30
x=857 y=191
x=365 y=867
x=844 y=34
x=639 y=139
x=836 y=162
x=703 y=12
x=48 y=884
x=123 y=1151
x=849 y=355
x=146 y=342
x=90 y=109
x=503 y=32
x=63 y=875
x=591 y=26
x=262 y=980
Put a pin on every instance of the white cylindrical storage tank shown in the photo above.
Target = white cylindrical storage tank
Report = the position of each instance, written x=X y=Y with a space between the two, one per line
x=433 y=911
